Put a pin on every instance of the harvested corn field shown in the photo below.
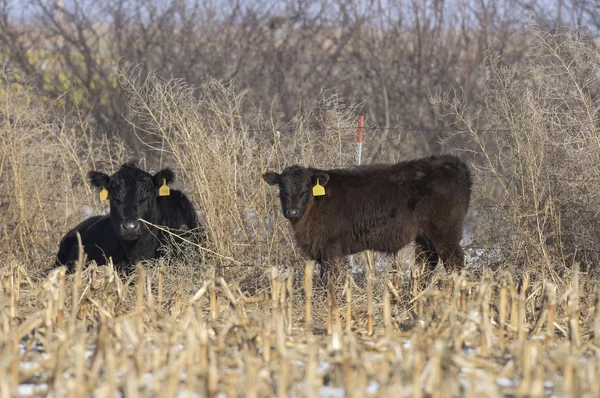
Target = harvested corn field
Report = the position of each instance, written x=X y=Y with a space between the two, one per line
x=93 y=334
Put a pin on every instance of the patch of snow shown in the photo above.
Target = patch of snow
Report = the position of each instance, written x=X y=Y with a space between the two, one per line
x=372 y=388
x=188 y=394
x=89 y=352
x=27 y=366
x=475 y=256
x=323 y=366
x=30 y=390
x=468 y=351
x=332 y=392
x=147 y=378
x=179 y=347
x=505 y=382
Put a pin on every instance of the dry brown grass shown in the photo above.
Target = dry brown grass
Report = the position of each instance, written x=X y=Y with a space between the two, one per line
x=45 y=154
x=230 y=318
x=537 y=144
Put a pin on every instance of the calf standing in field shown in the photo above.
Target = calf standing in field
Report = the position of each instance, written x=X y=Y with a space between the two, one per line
x=378 y=207
x=134 y=195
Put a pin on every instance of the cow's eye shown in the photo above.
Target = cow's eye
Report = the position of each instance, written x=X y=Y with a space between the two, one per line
x=303 y=194
x=117 y=200
x=143 y=200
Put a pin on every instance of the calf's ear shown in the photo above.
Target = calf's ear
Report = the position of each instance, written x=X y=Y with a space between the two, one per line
x=321 y=176
x=99 y=180
x=271 y=178
x=161 y=176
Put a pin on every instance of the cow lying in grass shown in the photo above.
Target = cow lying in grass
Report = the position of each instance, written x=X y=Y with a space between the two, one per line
x=378 y=207
x=134 y=195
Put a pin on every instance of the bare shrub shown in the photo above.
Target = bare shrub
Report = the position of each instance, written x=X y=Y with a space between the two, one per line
x=540 y=170
x=45 y=153
x=389 y=55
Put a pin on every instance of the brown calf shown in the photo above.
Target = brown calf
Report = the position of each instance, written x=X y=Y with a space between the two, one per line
x=378 y=207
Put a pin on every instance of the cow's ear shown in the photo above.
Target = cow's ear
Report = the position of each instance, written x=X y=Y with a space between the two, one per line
x=99 y=180
x=321 y=176
x=271 y=178
x=161 y=176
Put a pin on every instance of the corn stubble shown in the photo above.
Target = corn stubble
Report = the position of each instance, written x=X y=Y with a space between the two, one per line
x=81 y=341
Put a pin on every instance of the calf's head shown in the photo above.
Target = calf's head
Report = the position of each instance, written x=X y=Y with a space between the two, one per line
x=133 y=195
x=296 y=185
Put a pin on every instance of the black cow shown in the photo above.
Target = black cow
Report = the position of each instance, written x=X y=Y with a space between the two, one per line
x=70 y=239
x=134 y=196
x=378 y=207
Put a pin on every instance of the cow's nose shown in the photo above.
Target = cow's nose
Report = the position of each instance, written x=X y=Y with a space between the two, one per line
x=293 y=213
x=130 y=227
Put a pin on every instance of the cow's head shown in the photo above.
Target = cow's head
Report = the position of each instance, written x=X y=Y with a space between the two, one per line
x=133 y=195
x=296 y=185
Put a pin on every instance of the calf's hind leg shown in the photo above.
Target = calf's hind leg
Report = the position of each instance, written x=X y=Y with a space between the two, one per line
x=447 y=245
x=425 y=252
x=451 y=254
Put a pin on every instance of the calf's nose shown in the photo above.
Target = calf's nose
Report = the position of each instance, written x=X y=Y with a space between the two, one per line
x=293 y=213
x=130 y=227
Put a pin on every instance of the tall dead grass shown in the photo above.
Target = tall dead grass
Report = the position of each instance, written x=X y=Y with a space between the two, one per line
x=45 y=153
x=536 y=139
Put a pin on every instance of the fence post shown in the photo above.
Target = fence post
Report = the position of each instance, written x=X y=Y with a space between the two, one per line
x=368 y=254
x=359 y=139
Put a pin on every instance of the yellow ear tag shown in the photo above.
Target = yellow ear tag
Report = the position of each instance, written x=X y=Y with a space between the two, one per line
x=164 y=190
x=318 y=189
x=104 y=194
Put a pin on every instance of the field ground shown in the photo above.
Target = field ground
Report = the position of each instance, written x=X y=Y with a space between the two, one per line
x=476 y=334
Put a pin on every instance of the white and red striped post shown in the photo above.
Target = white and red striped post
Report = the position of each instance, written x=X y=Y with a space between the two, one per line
x=359 y=139
x=368 y=254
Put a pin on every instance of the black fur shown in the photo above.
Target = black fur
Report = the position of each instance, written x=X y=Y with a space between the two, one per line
x=70 y=239
x=133 y=195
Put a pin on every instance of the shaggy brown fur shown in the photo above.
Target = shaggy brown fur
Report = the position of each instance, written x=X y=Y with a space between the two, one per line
x=379 y=207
